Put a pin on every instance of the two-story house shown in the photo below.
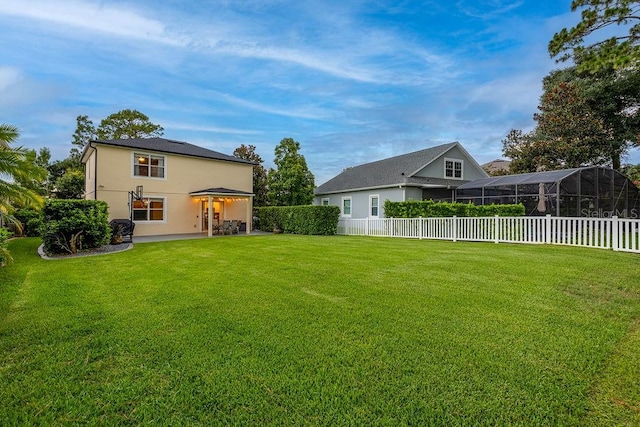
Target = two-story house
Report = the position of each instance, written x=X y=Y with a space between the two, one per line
x=168 y=187
x=433 y=173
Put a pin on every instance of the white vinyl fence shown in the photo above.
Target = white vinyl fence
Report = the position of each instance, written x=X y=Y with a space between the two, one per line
x=605 y=233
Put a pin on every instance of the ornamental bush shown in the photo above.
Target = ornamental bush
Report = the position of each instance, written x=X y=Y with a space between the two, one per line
x=315 y=220
x=31 y=220
x=73 y=225
x=431 y=209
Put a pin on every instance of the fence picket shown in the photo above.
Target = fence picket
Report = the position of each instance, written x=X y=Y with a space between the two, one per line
x=619 y=234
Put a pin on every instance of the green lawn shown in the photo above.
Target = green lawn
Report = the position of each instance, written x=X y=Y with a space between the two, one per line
x=300 y=330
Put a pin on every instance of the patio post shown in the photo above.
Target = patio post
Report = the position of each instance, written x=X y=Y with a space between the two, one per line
x=209 y=216
x=249 y=214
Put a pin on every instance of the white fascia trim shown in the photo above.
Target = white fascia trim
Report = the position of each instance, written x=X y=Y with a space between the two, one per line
x=457 y=144
x=380 y=187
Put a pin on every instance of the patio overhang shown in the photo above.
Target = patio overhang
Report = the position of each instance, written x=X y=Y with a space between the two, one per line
x=221 y=194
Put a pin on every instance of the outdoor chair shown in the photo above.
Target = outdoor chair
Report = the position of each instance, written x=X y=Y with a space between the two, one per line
x=226 y=227
x=234 y=227
x=124 y=226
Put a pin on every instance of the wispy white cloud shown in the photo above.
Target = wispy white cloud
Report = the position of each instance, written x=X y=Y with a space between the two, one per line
x=352 y=81
x=303 y=112
x=352 y=54
x=487 y=9
x=93 y=17
x=208 y=129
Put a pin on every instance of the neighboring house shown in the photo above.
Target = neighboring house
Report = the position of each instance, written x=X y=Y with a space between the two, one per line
x=434 y=173
x=183 y=185
x=497 y=167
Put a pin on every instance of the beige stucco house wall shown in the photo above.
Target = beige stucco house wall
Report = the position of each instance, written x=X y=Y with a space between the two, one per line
x=183 y=185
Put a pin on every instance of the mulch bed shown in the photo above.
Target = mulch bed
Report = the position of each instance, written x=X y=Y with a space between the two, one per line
x=103 y=250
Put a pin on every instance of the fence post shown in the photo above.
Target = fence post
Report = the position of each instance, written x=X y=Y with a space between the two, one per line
x=615 y=227
x=455 y=228
x=391 y=226
x=496 y=226
x=421 y=227
x=547 y=229
x=366 y=226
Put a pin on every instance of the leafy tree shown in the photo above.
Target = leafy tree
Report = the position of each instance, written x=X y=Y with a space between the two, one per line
x=128 y=124
x=632 y=172
x=291 y=183
x=121 y=125
x=618 y=51
x=60 y=167
x=526 y=152
x=613 y=96
x=16 y=165
x=248 y=152
x=568 y=134
x=70 y=185
x=38 y=183
x=85 y=132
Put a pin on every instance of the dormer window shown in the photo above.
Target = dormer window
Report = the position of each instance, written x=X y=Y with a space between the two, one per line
x=148 y=165
x=453 y=168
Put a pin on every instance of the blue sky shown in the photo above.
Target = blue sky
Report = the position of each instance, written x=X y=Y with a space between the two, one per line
x=352 y=81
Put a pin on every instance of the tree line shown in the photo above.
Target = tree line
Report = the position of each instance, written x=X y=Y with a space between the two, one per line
x=28 y=177
x=589 y=113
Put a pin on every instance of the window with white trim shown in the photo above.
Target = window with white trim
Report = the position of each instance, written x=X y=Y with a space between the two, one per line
x=346 y=206
x=325 y=202
x=374 y=208
x=149 y=209
x=453 y=168
x=152 y=166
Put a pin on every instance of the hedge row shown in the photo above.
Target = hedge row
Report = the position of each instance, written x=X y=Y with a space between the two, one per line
x=298 y=219
x=73 y=225
x=431 y=209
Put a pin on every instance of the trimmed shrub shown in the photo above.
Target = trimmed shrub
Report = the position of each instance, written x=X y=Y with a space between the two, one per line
x=315 y=220
x=431 y=209
x=73 y=225
x=31 y=220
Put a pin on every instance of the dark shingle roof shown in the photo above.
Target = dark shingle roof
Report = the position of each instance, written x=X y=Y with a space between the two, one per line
x=388 y=172
x=163 y=145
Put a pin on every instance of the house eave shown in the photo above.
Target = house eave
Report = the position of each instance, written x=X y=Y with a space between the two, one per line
x=231 y=159
x=377 y=187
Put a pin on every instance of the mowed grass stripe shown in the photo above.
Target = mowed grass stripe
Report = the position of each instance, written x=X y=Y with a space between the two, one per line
x=320 y=331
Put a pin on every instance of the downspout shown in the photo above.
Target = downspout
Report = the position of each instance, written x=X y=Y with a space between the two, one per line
x=95 y=173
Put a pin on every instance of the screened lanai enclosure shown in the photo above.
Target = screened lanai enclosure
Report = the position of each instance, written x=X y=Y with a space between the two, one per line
x=580 y=192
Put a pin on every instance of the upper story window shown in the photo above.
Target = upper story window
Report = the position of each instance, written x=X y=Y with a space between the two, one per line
x=148 y=165
x=453 y=168
x=325 y=202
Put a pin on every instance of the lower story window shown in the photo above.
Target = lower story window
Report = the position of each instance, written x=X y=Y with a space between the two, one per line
x=346 y=206
x=374 y=205
x=148 y=209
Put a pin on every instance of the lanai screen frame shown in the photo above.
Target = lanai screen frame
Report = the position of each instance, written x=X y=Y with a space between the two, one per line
x=587 y=192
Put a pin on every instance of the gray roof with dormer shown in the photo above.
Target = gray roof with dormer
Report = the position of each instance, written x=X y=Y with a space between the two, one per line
x=398 y=170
